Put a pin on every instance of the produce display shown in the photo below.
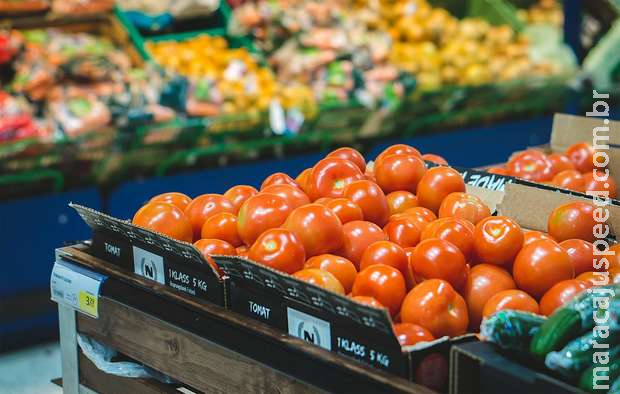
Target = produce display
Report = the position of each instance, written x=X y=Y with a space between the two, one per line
x=58 y=7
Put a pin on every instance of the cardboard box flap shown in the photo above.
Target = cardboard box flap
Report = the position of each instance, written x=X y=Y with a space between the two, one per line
x=569 y=129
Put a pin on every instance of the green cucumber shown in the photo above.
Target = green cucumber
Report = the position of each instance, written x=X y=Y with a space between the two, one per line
x=554 y=333
x=615 y=387
x=578 y=354
x=586 y=382
x=511 y=330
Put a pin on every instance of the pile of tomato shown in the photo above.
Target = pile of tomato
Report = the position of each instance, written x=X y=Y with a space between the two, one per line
x=394 y=235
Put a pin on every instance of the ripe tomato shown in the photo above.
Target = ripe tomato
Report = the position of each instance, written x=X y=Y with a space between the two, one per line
x=594 y=278
x=457 y=231
x=571 y=180
x=323 y=200
x=302 y=179
x=603 y=184
x=382 y=282
x=350 y=154
x=341 y=268
x=614 y=275
x=559 y=163
x=210 y=247
x=404 y=232
x=385 y=252
x=573 y=220
x=497 y=170
x=439 y=259
x=485 y=280
x=436 y=184
x=370 y=301
x=237 y=195
x=581 y=254
x=370 y=199
x=436 y=306
x=399 y=172
x=434 y=159
x=179 y=200
x=530 y=236
x=294 y=196
x=317 y=227
x=409 y=278
x=426 y=214
x=398 y=149
x=561 y=293
x=279 y=249
x=320 y=278
x=330 y=176
x=222 y=226
x=260 y=213
x=531 y=165
x=401 y=200
x=614 y=259
x=540 y=265
x=205 y=206
x=497 y=240
x=358 y=235
x=346 y=210
x=278 y=178
x=409 y=334
x=242 y=251
x=166 y=219
x=464 y=205
x=510 y=299
x=582 y=156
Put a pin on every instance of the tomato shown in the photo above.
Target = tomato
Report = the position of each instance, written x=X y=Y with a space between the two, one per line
x=531 y=165
x=358 y=235
x=530 y=236
x=497 y=170
x=294 y=196
x=409 y=334
x=464 y=205
x=350 y=154
x=401 y=200
x=370 y=301
x=434 y=159
x=399 y=172
x=614 y=275
x=560 y=294
x=205 y=206
x=278 y=178
x=320 y=278
x=484 y=281
x=409 y=278
x=439 y=259
x=179 y=200
x=164 y=218
x=581 y=254
x=614 y=259
x=318 y=228
x=436 y=306
x=280 y=249
x=222 y=226
x=330 y=176
x=302 y=179
x=582 y=156
x=571 y=180
x=540 y=265
x=436 y=184
x=559 y=163
x=404 y=232
x=594 y=278
x=603 y=184
x=237 y=195
x=346 y=210
x=573 y=220
x=497 y=240
x=242 y=251
x=382 y=282
x=210 y=247
x=260 y=213
x=510 y=299
x=457 y=231
x=385 y=252
x=398 y=149
x=341 y=268
x=323 y=200
x=370 y=199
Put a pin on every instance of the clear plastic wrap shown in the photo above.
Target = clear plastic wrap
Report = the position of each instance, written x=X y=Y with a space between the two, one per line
x=511 y=330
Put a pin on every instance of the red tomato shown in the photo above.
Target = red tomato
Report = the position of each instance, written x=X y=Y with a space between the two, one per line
x=497 y=240
x=210 y=247
x=571 y=180
x=594 y=278
x=600 y=183
x=510 y=299
x=341 y=268
x=497 y=170
x=279 y=249
x=436 y=306
x=358 y=235
x=426 y=214
x=323 y=200
x=346 y=210
x=457 y=231
x=237 y=195
x=614 y=275
x=242 y=251
x=302 y=179
x=404 y=232
x=401 y=200
x=260 y=213
x=572 y=220
x=398 y=149
x=350 y=154
x=530 y=236
x=166 y=219
x=409 y=278
x=385 y=252
x=560 y=294
x=434 y=159
x=320 y=278
x=329 y=177
x=205 y=206
x=179 y=200
x=531 y=165
x=485 y=280
x=582 y=156
x=370 y=199
x=540 y=265
x=294 y=196
x=318 y=228
x=278 y=178
x=382 y=282
x=464 y=205
x=581 y=254
x=399 y=172
x=614 y=259
x=559 y=163
x=439 y=259
x=222 y=226
x=436 y=184
x=368 y=301
x=409 y=334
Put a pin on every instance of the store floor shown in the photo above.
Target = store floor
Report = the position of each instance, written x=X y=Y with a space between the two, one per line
x=29 y=371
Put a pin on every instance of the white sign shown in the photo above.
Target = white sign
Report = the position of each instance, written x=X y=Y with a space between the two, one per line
x=76 y=287
x=149 y=265
x=309 y=328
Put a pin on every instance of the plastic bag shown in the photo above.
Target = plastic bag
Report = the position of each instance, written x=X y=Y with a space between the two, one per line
x=511 y=330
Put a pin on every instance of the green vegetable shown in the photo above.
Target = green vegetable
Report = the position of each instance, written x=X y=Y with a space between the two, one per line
x=511 y=330
x=586 y=382
x=615 y=387
x=560 y=328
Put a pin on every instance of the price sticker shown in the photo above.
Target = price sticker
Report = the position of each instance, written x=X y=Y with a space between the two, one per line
x=76 y=287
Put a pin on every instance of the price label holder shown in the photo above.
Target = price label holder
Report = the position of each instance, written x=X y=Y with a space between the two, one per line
x=76 y=287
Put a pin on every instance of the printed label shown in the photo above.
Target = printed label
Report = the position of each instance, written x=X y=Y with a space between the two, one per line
x=309 y=328
x=149 y=265
x=76 y=287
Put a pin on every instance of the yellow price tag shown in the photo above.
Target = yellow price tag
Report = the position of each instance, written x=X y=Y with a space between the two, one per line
x=88 y=303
